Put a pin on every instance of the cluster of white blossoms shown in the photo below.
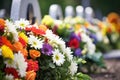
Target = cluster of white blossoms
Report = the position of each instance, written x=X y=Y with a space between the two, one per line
x=18 y=63
x=59 y=55
x=90 y=46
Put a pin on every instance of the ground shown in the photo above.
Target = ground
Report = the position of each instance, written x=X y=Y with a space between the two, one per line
x=111 y=73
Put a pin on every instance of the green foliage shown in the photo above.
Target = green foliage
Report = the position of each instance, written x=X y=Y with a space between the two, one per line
x=49 y=71
x=81 y=76
x=1 y=68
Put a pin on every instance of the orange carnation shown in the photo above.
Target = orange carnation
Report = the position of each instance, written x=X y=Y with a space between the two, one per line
x=24 y=52
x=34 y=54
x=17 y=46
x=43 y=27
x=30 y=75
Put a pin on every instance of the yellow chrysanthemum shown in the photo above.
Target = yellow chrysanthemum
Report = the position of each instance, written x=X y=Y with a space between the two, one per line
x=7 y=52
x=23 y=36
x=47 y=20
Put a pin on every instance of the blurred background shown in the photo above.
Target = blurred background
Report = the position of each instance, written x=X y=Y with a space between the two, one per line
x=101 y=7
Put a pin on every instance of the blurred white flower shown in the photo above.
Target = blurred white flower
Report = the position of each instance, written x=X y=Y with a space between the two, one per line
x=22 y=23
x=73 y=68
x=9 y=77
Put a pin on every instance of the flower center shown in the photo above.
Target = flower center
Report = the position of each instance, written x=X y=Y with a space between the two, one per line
x=57 y=57
x=22 y=24
x=34 y=43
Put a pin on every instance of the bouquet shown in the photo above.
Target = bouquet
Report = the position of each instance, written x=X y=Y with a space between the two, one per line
x=32 y=52
x=77 y=34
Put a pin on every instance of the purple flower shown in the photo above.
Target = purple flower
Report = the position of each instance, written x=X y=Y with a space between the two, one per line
x=93 y=36
x=47 y=49
x=73 y=35
x=78 y=52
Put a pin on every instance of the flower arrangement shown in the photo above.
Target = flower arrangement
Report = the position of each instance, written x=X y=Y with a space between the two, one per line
x=32 y=52
x=78 y=35
x=113 y=30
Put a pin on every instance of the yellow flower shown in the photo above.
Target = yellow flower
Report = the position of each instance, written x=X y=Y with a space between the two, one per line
x=7 y=52
x=47 y=20
x=23 y=36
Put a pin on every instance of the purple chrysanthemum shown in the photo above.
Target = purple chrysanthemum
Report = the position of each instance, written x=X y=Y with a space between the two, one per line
x=47 y=49
x=78 y=52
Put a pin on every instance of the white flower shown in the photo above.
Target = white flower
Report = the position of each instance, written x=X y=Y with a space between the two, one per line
x=67 y=51
x=58 y=57
x=35 y=42
x=18 y=63
x=50 y=35
x=73 y=68
x=9 y=77
x=10 y=27
x=22 y=23
x=91 y=48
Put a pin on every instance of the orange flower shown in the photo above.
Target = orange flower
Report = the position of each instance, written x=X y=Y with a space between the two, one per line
x=30 y=75
x=43 y=27
x=113 y=17
x=24 y=52
x=34 y=54
x=2 y=22
x=17 y=46
x=6 y=42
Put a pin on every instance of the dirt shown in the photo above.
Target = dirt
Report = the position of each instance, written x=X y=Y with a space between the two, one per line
x=111 y=73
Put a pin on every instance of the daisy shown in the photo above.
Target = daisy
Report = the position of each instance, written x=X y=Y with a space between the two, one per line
x=73 y=68
x=35 y=42
x=22 y=23
x=58 y=57
x=10 y=27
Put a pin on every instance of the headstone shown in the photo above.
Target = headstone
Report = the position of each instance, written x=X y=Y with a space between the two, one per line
x=28 y=9
x=2 y=13
x=55 y=12
x=112 y=54
x=69 y=11
x=80 y=11
x=89 y=13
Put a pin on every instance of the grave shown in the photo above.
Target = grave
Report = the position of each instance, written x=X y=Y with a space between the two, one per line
x=28 y=9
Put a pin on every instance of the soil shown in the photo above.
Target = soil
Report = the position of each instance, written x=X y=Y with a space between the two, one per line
x=111 y=73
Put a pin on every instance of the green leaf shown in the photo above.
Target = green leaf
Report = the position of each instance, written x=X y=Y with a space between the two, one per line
x=51 y=65
x=81 y=76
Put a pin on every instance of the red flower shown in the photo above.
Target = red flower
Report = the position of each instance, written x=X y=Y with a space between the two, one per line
x=6 y=42
x=1 y=28
x=32 y=65
x=1 y=41
x=28 y=29
x=73 y=43
x=22 y=41
x=38 y=31
x=12 y=71
x=2 y=25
